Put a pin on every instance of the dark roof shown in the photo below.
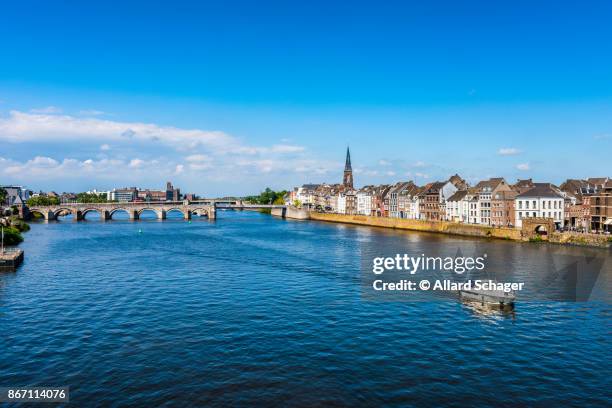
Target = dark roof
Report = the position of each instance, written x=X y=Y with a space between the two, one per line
x=598 y=181
x=541 y=190
x=458 y=196
x=490 y=184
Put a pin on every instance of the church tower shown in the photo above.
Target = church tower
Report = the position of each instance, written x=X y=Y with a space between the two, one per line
x=347 y=181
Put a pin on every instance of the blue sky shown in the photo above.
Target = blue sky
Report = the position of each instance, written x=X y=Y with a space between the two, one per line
x=231 y=97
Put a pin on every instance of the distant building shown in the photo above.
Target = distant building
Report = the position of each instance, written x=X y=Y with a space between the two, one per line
x=15 y=195
x=124 y=194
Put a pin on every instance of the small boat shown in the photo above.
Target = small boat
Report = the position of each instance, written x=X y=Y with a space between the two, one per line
x=498 y=298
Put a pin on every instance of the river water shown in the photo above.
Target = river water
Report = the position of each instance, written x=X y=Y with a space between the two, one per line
x=250 y=309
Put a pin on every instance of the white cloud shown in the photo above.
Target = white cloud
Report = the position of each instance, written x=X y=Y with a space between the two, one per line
x=199 y=166
x=198 y=158
x=384 y=162
x=523 y=166
x=23 y=127
x=284 y=148
x=422 y=175
x=419 y=164
x=390 y=173
x=136 y=163
x=91 y=112
x=143 y=151
x=47 y=110
x=508 y=151
x=44 y=126
x=603 y=136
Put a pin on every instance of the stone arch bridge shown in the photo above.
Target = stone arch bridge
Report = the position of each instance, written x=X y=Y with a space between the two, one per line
x=135 y=209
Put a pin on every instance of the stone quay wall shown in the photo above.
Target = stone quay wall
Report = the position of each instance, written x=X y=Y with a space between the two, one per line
x=444 y=227
x=420 y=225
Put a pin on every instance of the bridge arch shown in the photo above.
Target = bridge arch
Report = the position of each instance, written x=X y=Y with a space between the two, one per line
x=118 y=209
x=159 y=213
x=538 y=228
x=97 y=211
x=201 y=211
x=62 y=211
x=45 y=214
x=177 y=209
x=131 y=213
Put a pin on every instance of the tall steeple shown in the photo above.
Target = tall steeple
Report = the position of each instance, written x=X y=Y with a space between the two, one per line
x=347 y=166
x=347 y=181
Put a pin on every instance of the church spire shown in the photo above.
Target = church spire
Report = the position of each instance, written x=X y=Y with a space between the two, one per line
x=347 y=166
x=347 y=180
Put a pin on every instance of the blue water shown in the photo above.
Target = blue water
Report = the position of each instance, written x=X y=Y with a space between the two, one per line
x=249 y=309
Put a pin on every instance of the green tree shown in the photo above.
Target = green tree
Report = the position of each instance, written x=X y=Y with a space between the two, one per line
x=12 y=236
x=91 y=198
x=3 y=195
x=42 y=200
x=268 y=196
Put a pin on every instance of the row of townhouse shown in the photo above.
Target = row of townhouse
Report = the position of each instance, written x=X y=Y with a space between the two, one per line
x=577 y=204
x=588 y=204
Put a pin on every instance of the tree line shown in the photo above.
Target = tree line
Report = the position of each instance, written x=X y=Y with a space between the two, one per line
x=268 y=196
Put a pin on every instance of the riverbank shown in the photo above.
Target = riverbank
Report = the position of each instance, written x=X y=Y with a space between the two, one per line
x=452 y=228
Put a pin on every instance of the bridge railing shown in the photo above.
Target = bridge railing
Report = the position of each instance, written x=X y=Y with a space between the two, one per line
x=221 y=204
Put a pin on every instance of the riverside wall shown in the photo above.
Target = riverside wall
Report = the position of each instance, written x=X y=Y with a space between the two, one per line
x=420 y=225
x=444 y=227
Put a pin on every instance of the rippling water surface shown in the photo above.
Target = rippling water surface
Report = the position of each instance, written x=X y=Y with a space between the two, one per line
x=251 y=309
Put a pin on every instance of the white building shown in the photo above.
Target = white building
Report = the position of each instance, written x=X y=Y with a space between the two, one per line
x=341 y=204
x=413 y=206
x=364 y=202
x=542 y=201
x=307 y=195
x=108 y=194
x=470 y=207
x=456 y=207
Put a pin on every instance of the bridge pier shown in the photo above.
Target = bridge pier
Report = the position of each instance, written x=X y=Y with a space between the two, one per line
x=49 y=215
x=133 y=215
x=77 y=215
x=187 y=214
x=104 y=215
x=212 y=213
x=162 y=215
